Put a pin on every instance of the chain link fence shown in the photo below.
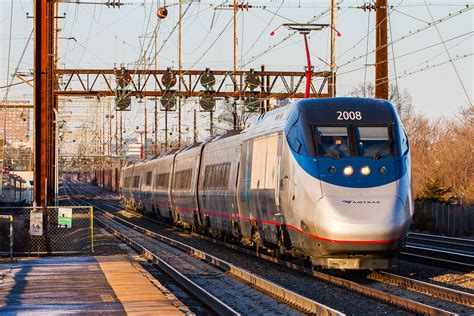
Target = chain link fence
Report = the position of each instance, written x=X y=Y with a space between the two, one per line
x=48 y=230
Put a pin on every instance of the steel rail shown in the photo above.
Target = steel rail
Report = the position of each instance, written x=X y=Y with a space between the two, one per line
x=287 y=296
x=204 y=296
x=461 y=244
x=394 y=300
x=441 y=292
x=454 y=260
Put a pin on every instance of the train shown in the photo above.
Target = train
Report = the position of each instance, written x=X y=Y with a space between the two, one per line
x=327 y=180
x=17 y=189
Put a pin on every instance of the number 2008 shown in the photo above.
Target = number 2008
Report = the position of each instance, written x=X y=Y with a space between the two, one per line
x=348 y=115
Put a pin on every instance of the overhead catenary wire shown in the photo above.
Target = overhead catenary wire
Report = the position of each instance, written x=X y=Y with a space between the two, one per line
x=411 y=33
x=449 y=55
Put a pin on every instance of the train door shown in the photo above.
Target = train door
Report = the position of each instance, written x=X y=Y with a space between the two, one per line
x=264 y=185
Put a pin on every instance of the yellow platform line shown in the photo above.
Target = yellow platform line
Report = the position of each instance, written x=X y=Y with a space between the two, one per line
x=136 y=293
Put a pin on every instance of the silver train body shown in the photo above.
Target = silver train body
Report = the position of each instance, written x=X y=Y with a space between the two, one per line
x=324 y=179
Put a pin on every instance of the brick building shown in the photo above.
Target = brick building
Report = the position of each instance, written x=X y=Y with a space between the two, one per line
x=16 y=123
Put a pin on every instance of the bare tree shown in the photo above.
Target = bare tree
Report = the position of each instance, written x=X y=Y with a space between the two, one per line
x=226 y=116
x=400 y=99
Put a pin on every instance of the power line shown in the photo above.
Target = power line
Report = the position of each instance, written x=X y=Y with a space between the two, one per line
x=411 y=33
x=449 y=55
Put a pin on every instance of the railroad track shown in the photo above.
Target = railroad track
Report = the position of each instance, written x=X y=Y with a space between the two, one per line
x=456 y=253
x=213 y=281
x=424 y=288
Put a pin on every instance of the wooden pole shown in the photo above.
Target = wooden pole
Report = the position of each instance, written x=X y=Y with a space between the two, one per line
x=332 y=82
x=145 y=114
x=156 y=99
x=180 y=65
x=381 y=53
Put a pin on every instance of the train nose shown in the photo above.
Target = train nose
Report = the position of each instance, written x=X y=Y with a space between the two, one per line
x=361 y=220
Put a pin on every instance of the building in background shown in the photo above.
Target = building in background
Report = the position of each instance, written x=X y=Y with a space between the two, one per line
x=15 y=125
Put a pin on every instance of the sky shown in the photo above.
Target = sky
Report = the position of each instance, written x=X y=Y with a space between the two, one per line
x=104 y=37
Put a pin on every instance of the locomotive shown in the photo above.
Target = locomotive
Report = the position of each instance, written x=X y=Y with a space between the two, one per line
x=323 y=179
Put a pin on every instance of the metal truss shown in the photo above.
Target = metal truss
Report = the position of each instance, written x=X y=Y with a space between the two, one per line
x=149 y=83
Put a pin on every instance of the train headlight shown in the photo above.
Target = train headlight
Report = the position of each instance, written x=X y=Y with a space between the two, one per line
x=348 y=171
x=332 y=170
x=365 y=170
x=383 y=170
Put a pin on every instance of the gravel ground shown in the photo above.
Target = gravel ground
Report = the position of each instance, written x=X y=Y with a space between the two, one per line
x=346 y=301
x=239 y=296
x=343 y=300
x=106 y=244
x=461 y=281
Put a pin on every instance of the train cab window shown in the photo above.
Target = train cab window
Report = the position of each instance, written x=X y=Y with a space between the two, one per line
x=332 y=141
x=373 y=142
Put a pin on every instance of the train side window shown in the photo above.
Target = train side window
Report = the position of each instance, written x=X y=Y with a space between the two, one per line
x=404 y=142
x=183 y=180
x=136 y=182
x=292 y=138
x=148 y=178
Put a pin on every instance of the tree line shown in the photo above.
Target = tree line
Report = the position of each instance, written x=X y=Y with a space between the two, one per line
x=442 y=149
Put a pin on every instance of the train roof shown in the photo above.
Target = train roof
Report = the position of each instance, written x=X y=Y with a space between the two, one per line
x=325 y=110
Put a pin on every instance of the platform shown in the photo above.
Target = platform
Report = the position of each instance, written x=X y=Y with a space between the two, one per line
x=87 y=285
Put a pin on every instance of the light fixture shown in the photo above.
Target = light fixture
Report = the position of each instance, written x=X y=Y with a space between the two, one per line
x=332 y=170
x=365 y=170
x=348 y=170
x=383 y=170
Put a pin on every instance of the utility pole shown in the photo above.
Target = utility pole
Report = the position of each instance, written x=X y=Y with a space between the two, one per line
x=110 y=131
x=44 y=82
x=235 y=66
x=332 y=82
x=180 y=66
x=116 y=136
x=235 y=38
x=156 y=99
x=381 y=53
x=121 y=138
x=195 y=127
x=144 y=105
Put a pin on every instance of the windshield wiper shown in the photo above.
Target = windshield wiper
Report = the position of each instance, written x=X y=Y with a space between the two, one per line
x=334 y=154
x=379 y=153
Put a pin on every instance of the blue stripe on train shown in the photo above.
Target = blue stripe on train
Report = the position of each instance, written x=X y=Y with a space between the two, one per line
x=318 y=167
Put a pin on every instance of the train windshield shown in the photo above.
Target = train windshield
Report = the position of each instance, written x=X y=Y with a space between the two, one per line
x=373 y=142
x=368 y=141
x=332 y=141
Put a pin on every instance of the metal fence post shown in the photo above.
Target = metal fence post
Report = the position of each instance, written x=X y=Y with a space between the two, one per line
x=10 y=220
x=91 y=209
x=11 y=238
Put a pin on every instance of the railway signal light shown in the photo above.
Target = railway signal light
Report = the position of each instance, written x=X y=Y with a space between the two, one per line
x=169 y=79
x=162 y=12
x=168 y=101
x=207 y=102
x=252 y=80
x=252 y=102
x=208 y=80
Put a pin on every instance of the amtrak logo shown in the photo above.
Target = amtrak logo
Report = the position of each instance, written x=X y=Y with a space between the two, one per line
x=360 y=202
